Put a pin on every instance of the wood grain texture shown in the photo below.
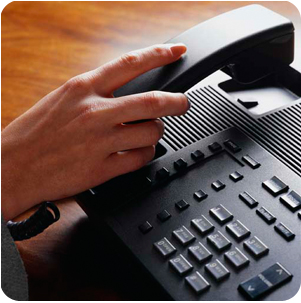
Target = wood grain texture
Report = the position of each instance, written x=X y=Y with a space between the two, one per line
x=43 y=45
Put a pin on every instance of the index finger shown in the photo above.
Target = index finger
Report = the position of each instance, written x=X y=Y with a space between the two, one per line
x=150 y=105
x=118 y=72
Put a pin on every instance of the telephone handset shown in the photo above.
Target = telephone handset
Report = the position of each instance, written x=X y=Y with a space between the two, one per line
x=248 y=43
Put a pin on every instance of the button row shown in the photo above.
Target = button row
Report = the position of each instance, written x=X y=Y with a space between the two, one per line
x=181 y=164
x=268 y=217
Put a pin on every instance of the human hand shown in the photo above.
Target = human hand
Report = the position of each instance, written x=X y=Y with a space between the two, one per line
x=75 y=137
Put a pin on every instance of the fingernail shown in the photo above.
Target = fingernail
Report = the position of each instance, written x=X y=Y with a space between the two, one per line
x=189 y=103
x=178 y=49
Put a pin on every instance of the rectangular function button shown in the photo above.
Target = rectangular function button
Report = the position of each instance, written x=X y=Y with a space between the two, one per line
x=263 y=213
x=256 y=247
x=217 y=270
x=197 y=155
x=248 y=199
x=200 y=252
x=183 y=235
x=165 y=247
x=197 y=282
x=181 y=265
x=237 y=258
x=275 y=186
x=250 y=161
x=284 y=231
x=145 y=227
x=163 y=215
x=291 y=200
x=266 y=281
x=236 y=176
x=202 y=224
x=221 y=214
x=218 y=185
x=232 y=146
x=182 y=204
x=180 y=164
x=215 y=147
x=238 y=230
x=219 y=241
x=162 y=173
x=200 y=195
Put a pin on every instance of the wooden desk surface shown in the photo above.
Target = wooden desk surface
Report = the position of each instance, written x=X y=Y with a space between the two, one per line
x=43 y=45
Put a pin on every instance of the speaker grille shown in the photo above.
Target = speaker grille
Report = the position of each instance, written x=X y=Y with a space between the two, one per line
x=211 y=112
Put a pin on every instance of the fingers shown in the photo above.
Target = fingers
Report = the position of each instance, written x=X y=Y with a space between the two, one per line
x=133 y=136
x=150 y=105
x=118 y=72
x=127 y=161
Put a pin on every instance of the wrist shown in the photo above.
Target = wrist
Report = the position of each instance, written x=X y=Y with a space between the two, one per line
x=18 y=192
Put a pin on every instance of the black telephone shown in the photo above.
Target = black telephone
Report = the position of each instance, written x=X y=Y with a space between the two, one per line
x=216 y=215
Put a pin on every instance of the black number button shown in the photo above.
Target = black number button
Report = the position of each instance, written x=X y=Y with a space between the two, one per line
x=181 y=265
x=221 y=214
x=183 y=235
x=202 y=224
x=165 y=247
x=256 y=247
x=236 y=258
x=238 y=230
x=219 y=241
x=217 y=270
x=200 y=252
x=197 y=282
